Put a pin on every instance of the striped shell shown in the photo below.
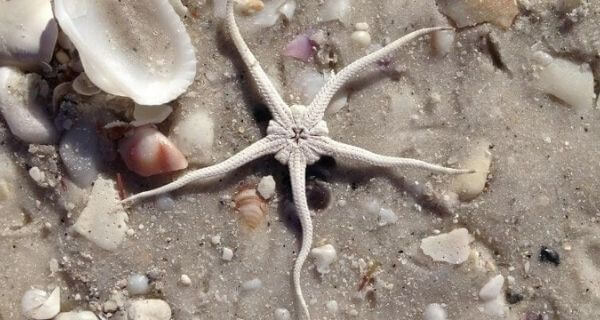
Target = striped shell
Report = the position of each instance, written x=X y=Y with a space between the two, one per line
x=251 y=206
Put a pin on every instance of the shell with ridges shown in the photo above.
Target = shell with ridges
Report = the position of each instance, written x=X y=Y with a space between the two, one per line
x=142 y=51
x=251 y=207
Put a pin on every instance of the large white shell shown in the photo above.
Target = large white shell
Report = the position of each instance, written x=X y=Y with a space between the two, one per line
x=138 y=49
x=28 y=33
x=37 y=304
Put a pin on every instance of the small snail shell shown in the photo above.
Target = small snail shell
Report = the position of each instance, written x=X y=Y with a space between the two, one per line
x=37 y=304
x=251 y=207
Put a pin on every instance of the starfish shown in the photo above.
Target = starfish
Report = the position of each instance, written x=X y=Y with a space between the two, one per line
x=298 y=136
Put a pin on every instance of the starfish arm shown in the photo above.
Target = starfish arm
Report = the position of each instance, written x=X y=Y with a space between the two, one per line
x=273 y=100
x=317 y=108
x=330 y=147
x=256 y=150
x=297 y=166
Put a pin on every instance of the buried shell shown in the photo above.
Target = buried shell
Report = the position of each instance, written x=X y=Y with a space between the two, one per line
x=38 y=304
x=143 y=51
x=251 y=206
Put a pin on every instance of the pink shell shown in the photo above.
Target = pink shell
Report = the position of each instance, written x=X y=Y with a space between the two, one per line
x=300 y=48
x=148 y=152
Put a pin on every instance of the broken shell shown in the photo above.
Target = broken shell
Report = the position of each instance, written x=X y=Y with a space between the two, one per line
x=324 y=256
x=74 y=315
x=84 y=86
x=148 y=152
x=144 y=115
x=143 y=52
x=28 y=33
x=249 y=7
x=37 y=304
x=25 y=117
x=251 y=207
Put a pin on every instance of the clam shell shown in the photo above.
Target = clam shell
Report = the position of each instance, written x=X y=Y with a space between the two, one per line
x=137 y=49
x=251 y=207
x=37 y=304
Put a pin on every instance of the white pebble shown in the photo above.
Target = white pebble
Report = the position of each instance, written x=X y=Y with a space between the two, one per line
x=138 y=284
x=26 y=118
x=37 y=175
x=103 y=221
x=387 y=216
x=469 y=186
x=215 y=240
x=227 y=254
x=150 y=309
x=567 y=81
x=253 y=284
x=287 y=9
x=361 y=26
x=193 y=134
x=37 y=304
x=435 y=311
x=335 y=10
x=282 y=314
x=492 y=288
x=324 y=256
x=452 y=247
x=185 y=280
x=74 y=315
x=266 y=187
x=361 y=38
x=332 y=306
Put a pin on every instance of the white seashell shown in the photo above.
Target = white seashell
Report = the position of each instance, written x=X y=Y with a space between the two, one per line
x=324 y=256
x=138 y=284
x=492 y=288
x=150 y=309
x=288 y=9
x=252 y=285
x=194 y=136
x=143 y=50
x=251 y=207
x=74 y=315
x=28 y=33
x=282 y=314
x=266 y=187
x=24 y=115
x=336 y=10
x=84 y=86
x=435 y=311
x=469 y=12
x=144 y=115
x=249 y=7
x=469 y=186
x=37 y=304
x=148 y=152
x=453 y=247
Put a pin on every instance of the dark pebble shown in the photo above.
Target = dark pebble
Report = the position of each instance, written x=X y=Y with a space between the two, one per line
x=549 y=255
x=513 y=297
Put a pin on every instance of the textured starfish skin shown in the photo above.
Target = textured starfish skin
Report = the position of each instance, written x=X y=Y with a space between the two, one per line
x=298 y=136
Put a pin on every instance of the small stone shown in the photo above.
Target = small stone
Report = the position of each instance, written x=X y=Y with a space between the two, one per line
x=252 y=285
x=266 y=187
x=38 y=304
x=332 y=306
x=566 y=80
x=324 y=256
x=103 y=220
x=282 y=314
x=138 y=284
x=335 y=10
x=249 y=7
x=185 y=280
x=37 y=175
x=74 y=315
x=193 y=134
x=215 y=240
x=513 y=297
x=361 y=38
x=492 y=288
x=435 y=311
x=549 y=255
x=227 y=254
x=150 y=309
x=387 y=216
x=452 y=247
x=471 y=12
x=361 y=26
x=469 y=186
x=110 y=306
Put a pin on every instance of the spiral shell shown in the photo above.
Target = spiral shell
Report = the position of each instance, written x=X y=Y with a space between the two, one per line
x=251 y=206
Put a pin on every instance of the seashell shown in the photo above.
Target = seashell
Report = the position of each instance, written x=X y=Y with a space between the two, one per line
x=324 y=257
x=144 y=115
x=84 y=86
x=148 y=309
x=181 y=9
x=143 y=51
x=37 y=304
x=251 y=207
x=194 y=134
x=25 y=117
x=28 y=33
x=148 y=152
x=249 y=7
x=471 y=12
x=138 y=284
x=300 y=48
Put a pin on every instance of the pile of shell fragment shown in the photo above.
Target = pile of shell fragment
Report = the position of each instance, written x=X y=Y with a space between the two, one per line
x=53 y=79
